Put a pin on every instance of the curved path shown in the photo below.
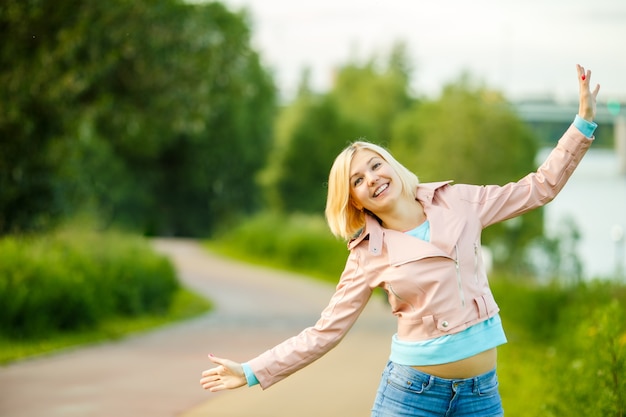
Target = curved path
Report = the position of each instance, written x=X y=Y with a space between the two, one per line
x=157 y=373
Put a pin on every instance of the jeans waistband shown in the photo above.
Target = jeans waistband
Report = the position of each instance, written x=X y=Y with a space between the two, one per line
x=415 y=376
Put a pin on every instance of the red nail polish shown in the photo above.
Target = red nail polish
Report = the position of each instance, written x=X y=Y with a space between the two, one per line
x=582 y=77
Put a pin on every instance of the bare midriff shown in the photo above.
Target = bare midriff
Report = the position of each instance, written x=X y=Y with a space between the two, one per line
x=465 y=368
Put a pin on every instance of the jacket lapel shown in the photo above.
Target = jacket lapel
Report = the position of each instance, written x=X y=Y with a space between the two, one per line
x=445 y=225
x=445 y=228
x=402 y=248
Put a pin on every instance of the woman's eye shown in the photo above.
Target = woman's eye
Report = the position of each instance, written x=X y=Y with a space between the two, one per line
x=376 y=165
x=357 y=181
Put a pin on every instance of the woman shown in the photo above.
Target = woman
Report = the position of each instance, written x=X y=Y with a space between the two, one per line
x=421 y=244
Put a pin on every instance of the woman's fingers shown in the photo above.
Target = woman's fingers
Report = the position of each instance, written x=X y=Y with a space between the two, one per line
x=212 y=379
x=587 y=104
x=227 y=375
x=595 y=91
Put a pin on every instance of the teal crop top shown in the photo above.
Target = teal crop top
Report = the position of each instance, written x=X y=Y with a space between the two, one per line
x=449 y=348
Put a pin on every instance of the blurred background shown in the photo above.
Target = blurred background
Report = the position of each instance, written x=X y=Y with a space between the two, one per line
x=122 y=121
x=523 y=49
x=179 y=118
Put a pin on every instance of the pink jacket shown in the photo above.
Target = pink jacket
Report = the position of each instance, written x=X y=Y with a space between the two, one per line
x=434 y=288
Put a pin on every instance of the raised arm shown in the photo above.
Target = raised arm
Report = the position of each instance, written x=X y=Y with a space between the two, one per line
x=497 y=203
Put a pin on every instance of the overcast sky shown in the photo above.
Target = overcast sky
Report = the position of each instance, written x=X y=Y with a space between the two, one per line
x=523 y=48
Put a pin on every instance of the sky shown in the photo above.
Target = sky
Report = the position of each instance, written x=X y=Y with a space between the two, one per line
x=526 y=49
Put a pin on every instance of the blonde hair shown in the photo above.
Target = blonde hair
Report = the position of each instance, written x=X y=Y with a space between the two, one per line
x=343 y=218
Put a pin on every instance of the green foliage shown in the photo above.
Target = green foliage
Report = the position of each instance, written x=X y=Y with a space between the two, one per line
x=556 y=258
x=372 y=94
x=74 y=280
x=315 y=128
x=593 y=375
x=572 y=340
x=306 y=161
x=152 y=115
x=298 y=242
x=472 y=135
x=536 y=309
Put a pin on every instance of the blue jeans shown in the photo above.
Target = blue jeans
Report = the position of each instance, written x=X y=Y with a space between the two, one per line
x=405 y=391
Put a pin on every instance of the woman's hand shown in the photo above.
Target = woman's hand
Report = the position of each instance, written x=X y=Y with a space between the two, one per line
x=587 y=100
x=227 y=375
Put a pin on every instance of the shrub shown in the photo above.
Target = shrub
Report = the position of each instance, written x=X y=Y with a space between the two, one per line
x=72 y=280
x=577 y=337
x=590 y=370
x=298 y=242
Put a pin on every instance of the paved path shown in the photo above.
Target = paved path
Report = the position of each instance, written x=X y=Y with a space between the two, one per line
x=156 y=374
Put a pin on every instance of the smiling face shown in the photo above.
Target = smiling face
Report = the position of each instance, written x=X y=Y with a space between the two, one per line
x=374 y=185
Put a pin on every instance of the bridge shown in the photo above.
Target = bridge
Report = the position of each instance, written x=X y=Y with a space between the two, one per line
x=551 y=111
x=549 y=118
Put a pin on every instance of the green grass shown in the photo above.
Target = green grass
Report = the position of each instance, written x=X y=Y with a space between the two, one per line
x=74 y=279
x=78 y=285
x=185 y=304
x=298 y=242
x=522 y=372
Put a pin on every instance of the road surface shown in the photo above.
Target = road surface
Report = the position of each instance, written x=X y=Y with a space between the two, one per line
x=157 y=373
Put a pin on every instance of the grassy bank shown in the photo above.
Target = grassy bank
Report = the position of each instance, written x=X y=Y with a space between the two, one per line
x=185 y=305
x=299 y=242
x=74 y=287
x=566 y=354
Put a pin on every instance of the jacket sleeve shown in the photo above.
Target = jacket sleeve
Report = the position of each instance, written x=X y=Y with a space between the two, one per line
x=498 y=203
x=347 y=303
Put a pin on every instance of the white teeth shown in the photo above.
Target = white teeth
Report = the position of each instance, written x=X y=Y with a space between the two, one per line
x=380 y=189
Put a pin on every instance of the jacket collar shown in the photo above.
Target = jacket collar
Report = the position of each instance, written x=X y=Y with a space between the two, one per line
x=426 y=192
x=445 y=226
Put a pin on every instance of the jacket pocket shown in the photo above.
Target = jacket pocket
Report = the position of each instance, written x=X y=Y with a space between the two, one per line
x=486 y=305
x=443 y=322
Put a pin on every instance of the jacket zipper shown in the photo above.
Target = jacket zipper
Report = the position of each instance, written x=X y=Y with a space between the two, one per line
x=398 y=296
x=458 y=276
x=476 y=262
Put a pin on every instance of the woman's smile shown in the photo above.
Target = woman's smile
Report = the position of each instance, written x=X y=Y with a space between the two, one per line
x=380 y=190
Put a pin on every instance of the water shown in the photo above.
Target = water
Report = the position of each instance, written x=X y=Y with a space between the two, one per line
x=595 y=198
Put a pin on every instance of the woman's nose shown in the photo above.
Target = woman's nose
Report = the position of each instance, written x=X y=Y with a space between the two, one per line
x=372 y=178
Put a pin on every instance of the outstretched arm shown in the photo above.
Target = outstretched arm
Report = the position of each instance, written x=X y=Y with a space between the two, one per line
x=497 y=203
x=587 y=100
x=227 y=375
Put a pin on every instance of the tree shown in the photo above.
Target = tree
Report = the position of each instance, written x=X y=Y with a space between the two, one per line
x=374 y=93
x=363 y=102
x=315 y=141
x=154 y=115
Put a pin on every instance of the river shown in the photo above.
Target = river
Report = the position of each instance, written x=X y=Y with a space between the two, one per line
x=595 y=199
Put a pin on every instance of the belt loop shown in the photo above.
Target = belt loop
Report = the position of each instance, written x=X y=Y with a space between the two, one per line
x=476 y=385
